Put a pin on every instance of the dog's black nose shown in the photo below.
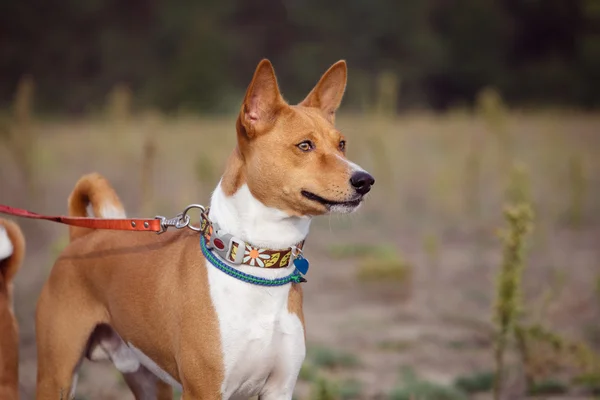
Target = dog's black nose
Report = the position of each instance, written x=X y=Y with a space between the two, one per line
x=362 y=182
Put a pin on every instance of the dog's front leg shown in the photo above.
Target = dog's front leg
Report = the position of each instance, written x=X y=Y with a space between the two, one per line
x=285 y=395
x=281 y=387
x=282 y=381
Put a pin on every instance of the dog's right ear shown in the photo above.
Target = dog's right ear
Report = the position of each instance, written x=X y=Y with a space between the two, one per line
x=328 y=94
x=263 y=100
x=12 y=249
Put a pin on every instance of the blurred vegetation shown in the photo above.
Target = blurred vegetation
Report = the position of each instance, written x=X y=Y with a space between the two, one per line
x=550 y=362
x=413 y=53
x=327 y=389
x=353 y=250
x=385 y=268
x=308 y=372
x=548 y=387
x=518 y=190
x=508 y=302
x=478 y=382
x=321 y=362
x=18 y=135
x=350 y=389
x=412 y=387
x=324 y=389
x=553 y=362
x=147 y=174
x=377 y=262
x=408 y=154
x=205 y=170
x=578 y=186
x=326 y=357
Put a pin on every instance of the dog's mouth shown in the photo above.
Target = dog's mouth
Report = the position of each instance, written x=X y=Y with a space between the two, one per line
x=330 y=203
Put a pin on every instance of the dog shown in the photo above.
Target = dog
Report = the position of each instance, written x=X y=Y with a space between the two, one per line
x=161 y=308
x=12 y=250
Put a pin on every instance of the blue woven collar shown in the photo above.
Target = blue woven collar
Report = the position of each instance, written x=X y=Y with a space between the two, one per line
x=294 y=277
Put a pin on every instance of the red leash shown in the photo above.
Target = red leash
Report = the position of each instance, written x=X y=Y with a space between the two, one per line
x=126 y=224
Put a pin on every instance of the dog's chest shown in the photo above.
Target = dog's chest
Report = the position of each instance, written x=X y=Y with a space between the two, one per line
x=262 y=342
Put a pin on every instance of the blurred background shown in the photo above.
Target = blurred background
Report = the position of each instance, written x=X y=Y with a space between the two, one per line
x=475 y=260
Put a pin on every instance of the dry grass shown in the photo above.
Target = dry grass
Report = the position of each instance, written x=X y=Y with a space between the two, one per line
x=385 y=269
x=441 y=185
x=19 y=135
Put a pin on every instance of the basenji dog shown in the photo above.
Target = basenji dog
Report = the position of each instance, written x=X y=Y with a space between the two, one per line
x=12 y=250
x=217 y=314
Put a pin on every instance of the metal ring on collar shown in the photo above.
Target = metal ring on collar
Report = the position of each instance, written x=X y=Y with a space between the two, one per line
x=296 y=251
x=187 y=217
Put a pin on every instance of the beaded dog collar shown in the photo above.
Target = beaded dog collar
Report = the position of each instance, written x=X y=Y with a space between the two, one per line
x=237 y=252
x=294 y=277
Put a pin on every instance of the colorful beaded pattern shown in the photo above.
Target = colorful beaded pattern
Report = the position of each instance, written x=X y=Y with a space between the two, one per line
x=253 y=256
x=294 y=277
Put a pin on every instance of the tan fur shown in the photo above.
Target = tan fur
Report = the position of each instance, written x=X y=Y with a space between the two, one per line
x=153 y=289
x=92 y=189
x=295 y=299
x=96 y=272
x=139 y=284
x=9 y=337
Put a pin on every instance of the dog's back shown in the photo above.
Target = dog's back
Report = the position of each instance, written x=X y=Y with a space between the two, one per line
x=11 y=255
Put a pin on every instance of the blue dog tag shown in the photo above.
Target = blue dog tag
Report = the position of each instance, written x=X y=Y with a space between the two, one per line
x=301 y=264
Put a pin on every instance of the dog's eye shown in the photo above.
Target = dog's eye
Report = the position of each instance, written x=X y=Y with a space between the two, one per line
x=307 y=145
x=342 y=145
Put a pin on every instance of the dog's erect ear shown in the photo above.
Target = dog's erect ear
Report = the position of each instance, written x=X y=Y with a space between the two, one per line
x=263 y=100
x=328 y=93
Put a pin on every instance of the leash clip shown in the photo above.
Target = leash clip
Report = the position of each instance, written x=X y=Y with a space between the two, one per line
x=180 y=221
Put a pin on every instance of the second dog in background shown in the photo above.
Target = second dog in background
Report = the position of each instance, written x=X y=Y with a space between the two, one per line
x=12 y=249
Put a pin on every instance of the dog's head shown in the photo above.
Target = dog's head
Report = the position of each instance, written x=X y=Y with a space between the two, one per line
x=294 y=157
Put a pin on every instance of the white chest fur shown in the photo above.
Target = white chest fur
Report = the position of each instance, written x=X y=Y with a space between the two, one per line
x=262 y=342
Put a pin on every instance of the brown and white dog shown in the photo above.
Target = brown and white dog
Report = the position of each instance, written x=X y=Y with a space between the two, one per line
x=12 y=250
x=159 y=310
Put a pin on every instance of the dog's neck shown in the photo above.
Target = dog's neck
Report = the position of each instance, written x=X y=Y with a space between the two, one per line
x=246 y=218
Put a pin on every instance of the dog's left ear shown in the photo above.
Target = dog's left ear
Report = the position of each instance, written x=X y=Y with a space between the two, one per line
x=263 y=100
x=328 y=93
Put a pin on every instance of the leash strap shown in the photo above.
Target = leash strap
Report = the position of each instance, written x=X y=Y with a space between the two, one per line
x=225 y=245
x=125 y=224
